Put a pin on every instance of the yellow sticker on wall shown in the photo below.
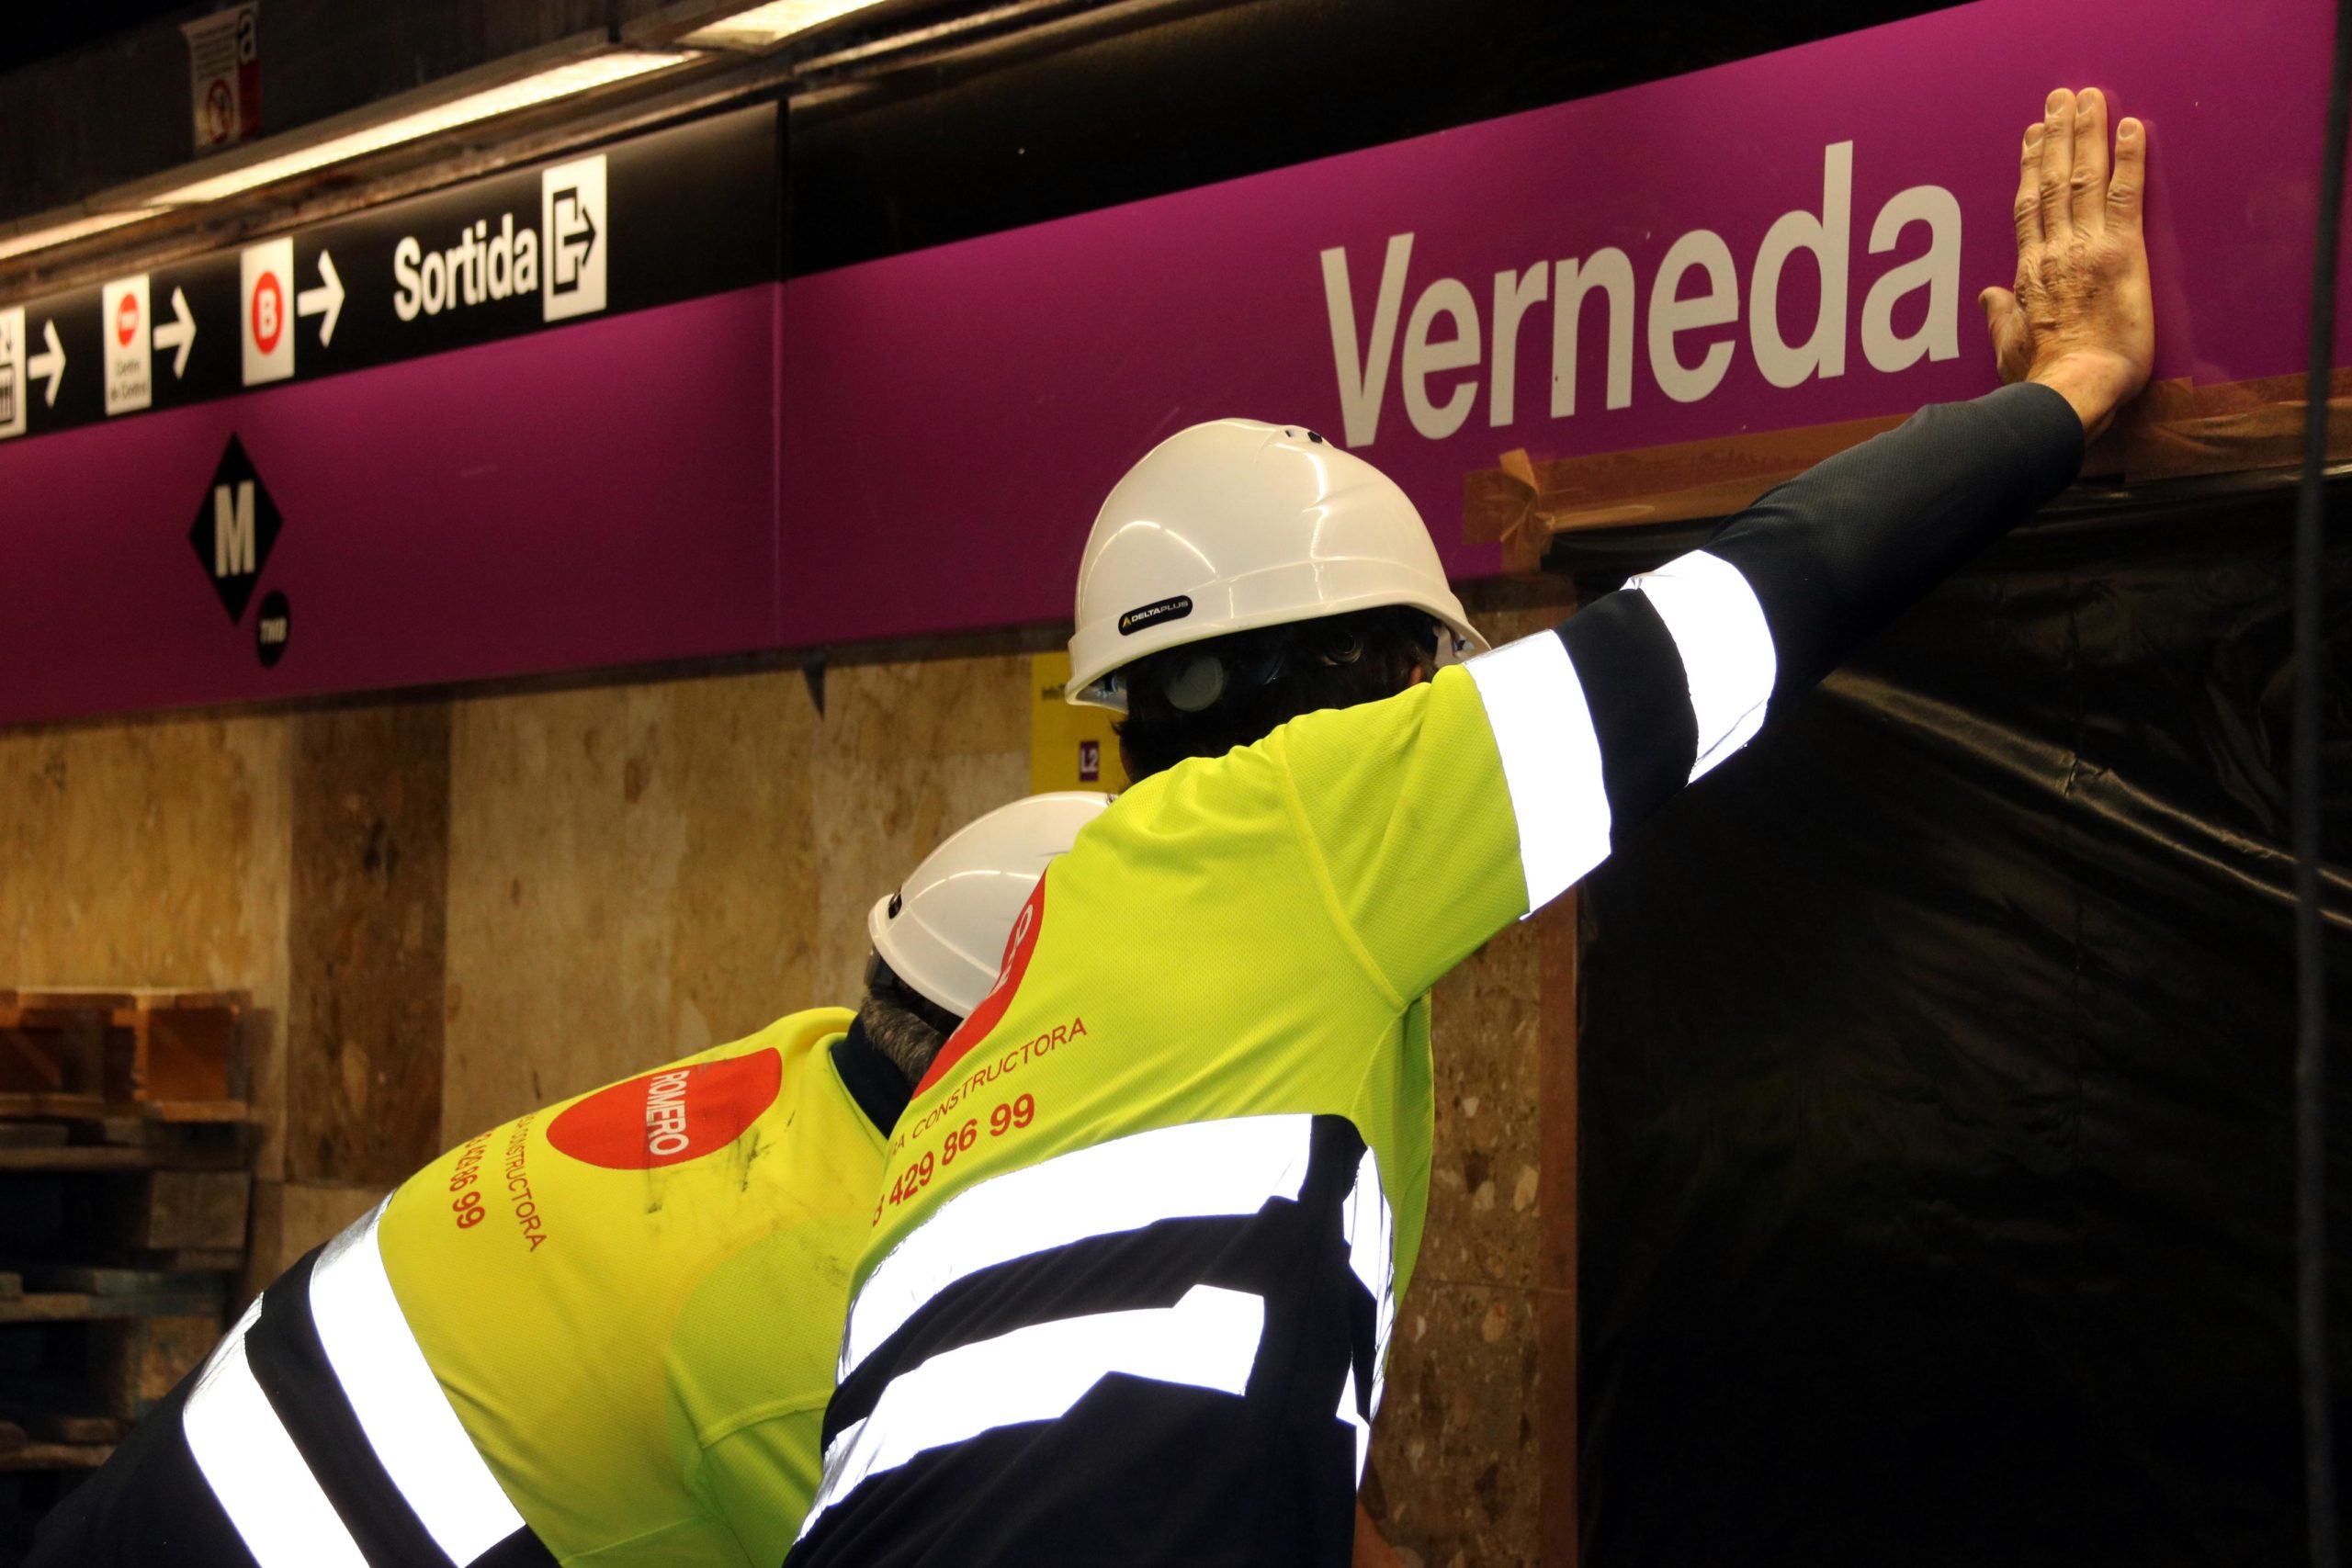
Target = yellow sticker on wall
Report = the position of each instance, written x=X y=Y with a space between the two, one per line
x=1069 y=748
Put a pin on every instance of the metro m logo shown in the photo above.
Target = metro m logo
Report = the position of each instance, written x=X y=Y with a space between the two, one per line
x=233 y=530
x=236 y=527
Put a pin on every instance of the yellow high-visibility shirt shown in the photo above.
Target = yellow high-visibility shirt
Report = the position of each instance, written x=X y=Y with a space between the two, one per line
x=633 y=1299
x=1145 y=1222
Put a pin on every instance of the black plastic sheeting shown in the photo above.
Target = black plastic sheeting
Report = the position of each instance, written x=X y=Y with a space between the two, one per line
x=1935 y=1079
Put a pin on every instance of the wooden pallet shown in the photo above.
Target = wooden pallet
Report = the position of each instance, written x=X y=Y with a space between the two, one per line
x=66 y=1052
x=126 y=1158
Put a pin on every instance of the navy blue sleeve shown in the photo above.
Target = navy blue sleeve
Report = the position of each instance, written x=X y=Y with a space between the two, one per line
x=1674 y=671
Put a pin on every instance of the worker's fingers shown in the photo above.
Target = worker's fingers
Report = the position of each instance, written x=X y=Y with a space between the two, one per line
x=2001 y=325
x=2131 y=176
x=2057 y=165
x=2028 y=202
x=2086 y=205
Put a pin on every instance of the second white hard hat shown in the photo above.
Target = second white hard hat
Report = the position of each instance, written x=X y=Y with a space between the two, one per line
x=942 y=931
x=1233 y=524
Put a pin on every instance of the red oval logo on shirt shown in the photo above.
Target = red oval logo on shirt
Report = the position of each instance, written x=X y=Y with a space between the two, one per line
x=672 y=1116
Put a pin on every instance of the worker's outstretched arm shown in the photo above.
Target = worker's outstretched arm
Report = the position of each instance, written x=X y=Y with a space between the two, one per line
x=1676 y=672
x=1579 y=733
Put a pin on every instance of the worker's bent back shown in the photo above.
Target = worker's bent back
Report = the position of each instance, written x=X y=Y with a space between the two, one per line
x=603 y=1333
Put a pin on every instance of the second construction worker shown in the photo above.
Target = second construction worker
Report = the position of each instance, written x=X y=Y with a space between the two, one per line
x=602 y=1333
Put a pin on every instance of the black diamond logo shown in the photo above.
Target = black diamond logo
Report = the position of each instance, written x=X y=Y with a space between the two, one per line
x=236 y=527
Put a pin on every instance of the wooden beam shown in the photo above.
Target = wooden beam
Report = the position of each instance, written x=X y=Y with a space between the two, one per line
x=56 y=1456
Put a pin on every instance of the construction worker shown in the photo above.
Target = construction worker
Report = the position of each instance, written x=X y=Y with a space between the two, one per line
x=1141 y=1316
x=601 y=1334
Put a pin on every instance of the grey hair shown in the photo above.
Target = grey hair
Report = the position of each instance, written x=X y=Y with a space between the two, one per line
x=900 y=1034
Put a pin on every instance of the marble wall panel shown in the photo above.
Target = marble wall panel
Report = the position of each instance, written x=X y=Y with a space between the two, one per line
x=1462 y=1466
x=630 y=881
x=367 y=941
x=1485 y=1220
x=909 y=751
x=1455 y=1453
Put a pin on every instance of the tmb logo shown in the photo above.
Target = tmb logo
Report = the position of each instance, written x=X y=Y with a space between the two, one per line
x=236 y=527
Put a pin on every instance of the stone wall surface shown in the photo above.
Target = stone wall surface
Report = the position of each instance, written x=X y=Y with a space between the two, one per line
x=630 y=869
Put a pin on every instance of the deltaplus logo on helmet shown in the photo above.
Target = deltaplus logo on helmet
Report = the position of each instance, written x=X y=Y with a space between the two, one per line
x=1143 y=616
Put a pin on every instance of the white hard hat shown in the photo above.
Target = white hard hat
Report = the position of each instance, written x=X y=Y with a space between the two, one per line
x=942 y=931
x=1233 y=524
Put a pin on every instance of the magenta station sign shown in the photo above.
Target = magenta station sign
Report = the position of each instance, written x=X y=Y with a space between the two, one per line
x=918 y=443
x=1788 y=241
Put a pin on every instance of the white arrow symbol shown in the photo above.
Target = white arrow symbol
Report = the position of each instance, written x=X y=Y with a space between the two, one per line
x=327 y=299
x=179 y=333
x=50 y=364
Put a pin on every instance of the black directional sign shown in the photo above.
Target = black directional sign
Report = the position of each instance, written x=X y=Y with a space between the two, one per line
x=678 y=214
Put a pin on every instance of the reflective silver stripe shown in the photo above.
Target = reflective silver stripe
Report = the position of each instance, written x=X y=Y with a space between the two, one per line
x=1354 y=1417
x=1542 y=728
x=1195 y=1170
x=1718 y=629
x=1371 y=1232
x=1209 y=1339
x=252 y=1465
x=399 y=1402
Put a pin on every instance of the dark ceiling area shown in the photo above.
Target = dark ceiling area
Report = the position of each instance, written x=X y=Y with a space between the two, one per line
x=939 y=154
x=37 y=33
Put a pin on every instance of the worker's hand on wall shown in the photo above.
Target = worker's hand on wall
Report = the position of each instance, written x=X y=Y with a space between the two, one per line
x=2081 y=320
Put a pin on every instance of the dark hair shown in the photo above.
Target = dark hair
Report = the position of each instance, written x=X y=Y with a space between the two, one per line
x=904 y=1025
x=1203 y=699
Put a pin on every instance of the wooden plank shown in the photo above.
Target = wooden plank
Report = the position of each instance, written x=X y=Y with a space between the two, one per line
x=11 y=1286
x=197 y=1110
x=107 y=1280
x=102 y=1157
x=127 y=1046
x=1522 y=503
x=157 y=998
x=198 y=1260
x=207 y=1126
x=2176 y=429
x=61 y=1306
x=76 y=998
x=54 y=1426
x=12 y=1436
x=37 y=1103
x=31 y=1135
x=57 y=1456
x=140 y=1362
x=190 y=1208
x=191 y=1054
